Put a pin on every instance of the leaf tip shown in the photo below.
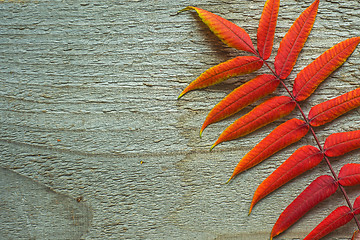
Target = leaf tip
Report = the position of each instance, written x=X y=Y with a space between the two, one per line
x=185 y=9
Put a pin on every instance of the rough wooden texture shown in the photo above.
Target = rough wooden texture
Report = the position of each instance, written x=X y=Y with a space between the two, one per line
x=88 y=108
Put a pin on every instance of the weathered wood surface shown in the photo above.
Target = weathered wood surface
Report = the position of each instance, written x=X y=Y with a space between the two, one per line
x=88 y=93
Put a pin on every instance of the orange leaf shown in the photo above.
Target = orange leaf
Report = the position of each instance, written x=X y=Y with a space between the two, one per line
x=266 y=30
x=338 y=144
x=265 y=113
x=285 y=134
x=311 y=76
x=320 y=189
x=299 y=162
x=228 y=32
x=294 y=40
x=349 y=174
x=241 y=97
x=356 y=235
x=231 y=68
x=327 y=111
x=339 y=217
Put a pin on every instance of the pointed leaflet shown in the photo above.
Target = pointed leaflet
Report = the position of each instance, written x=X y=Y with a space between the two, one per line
x=285 y=134
x=320 y=189
x=338 y=144
x=350 y=174
x=228 y=32
x=265 y=113
x=231 y=68
x=241 y=97
x=327 y=111
x=266 y=30
x=356 y=235
x=294 y=40
x=299 y=162
x=311 y=76
x=356 y=206
x=336 y=219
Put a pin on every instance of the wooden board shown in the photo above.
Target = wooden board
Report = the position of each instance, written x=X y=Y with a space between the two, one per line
x=88 y=111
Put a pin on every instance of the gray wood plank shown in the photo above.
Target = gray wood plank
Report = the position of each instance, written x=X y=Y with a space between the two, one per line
x=88 y=108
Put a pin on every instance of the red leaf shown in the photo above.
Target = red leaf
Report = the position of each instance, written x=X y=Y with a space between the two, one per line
x=339 y=217
x=356 y=235
x=265 y=113
x=350 y=174
x=285 y=134
x=241 y=97
x=327 y=111
x=356 y=205
x=266 y=30
x=338 y=144
x=294 y=40
x=311 y=76
x=299 y=162
x=228 y=32
x=320 y=189
x=231 y=68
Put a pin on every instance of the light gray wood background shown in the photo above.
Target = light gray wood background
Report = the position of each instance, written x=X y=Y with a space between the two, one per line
x=89 y=112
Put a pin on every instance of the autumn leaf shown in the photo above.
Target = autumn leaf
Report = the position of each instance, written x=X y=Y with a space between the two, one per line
x=349 y=174
x=265 y=113
x=241 y=97
x=294 y=40
x=299 y=162
x=338 y=144
x=320 y=189
x=228 y=32
x=266 y=29
x=336 y=219
x=327 y=111
x=311 y=76
x=285 y=134
x=231 y=68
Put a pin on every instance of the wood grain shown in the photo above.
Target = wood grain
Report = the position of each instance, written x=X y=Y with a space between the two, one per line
x=88 y=108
